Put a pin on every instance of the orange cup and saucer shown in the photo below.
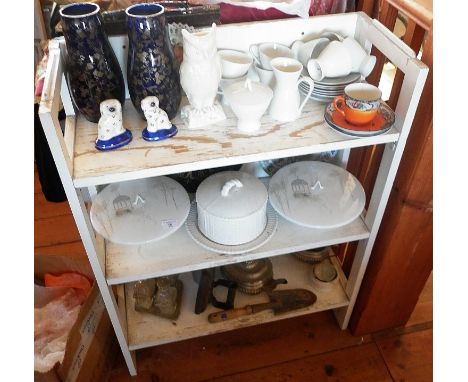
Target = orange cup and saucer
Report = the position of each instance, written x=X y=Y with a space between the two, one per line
x=360 y=112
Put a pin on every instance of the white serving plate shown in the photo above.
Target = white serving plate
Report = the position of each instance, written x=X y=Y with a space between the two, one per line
x=316 y=195
x=140 y=211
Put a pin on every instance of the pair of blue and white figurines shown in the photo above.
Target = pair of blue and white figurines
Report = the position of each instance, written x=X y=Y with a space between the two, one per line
x=112 y=134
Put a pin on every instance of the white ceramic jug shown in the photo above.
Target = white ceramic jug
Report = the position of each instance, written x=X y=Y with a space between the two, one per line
x=286 y=104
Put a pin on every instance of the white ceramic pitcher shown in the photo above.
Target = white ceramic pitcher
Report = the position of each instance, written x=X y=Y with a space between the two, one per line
x=286 y=104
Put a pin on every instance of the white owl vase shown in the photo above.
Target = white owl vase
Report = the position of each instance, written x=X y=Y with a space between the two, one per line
x=111 y=133
x=158 y=126
x=200 y=74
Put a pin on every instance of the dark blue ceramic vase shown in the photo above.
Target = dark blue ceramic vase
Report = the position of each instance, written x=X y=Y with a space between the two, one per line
x=92 y=71
x=151 y=66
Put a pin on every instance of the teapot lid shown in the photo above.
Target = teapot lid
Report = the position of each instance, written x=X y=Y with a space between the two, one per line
x=248 y=93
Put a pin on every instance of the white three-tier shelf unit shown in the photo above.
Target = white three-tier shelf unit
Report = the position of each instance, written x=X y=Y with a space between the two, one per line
x=83 y=170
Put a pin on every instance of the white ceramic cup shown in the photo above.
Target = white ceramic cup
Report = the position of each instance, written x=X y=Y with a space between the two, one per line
x=234 y=63
x=266 y=76
x=361 y=61
x=334 y=61
x=265 y=52
x=304 y=51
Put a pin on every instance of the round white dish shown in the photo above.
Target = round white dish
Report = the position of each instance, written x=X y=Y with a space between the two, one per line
x=316 y=194
x=140 y=211
x=231 y=207
x=194 y=232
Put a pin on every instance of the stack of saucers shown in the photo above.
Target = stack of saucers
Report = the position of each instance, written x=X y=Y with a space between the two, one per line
x=328 y=88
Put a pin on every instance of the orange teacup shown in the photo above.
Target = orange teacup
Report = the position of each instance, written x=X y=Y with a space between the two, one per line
x=360 y=103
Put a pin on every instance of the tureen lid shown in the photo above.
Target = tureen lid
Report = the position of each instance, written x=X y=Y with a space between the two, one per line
x=231 y=194
x=248 y=93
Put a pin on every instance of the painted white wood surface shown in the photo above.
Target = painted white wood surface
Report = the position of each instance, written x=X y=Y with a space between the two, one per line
x=179 y=253
x=69 y=136
x=212 y=146
x=408 y=100
x=146 y=330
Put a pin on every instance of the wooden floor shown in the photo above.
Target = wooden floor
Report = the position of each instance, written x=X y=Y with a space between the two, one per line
x=307 y=348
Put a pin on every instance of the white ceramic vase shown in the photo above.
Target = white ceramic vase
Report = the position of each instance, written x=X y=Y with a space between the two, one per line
x=201 y=65
x=200 y=74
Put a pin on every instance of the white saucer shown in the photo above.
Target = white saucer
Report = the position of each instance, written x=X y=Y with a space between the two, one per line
x=192 y=228
x=316 y=195
x=140 y=211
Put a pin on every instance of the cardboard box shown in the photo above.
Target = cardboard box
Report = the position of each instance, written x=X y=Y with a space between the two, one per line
x=91 y=344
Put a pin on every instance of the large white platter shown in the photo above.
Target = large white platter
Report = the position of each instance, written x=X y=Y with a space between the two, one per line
x=316 y=194
x=140 y=211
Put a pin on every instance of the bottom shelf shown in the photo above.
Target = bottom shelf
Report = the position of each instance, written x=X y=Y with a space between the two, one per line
x=145 y=330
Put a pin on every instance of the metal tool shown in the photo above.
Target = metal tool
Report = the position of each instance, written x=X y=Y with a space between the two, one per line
x=280 y=302
x=206 y=285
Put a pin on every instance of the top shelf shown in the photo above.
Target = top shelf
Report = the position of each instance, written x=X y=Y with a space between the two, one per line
x=212 y=146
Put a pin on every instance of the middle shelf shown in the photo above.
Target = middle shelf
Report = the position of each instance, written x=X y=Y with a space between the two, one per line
x=178 y=253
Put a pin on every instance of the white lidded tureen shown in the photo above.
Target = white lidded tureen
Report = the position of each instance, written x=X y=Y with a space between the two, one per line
x=231 y=207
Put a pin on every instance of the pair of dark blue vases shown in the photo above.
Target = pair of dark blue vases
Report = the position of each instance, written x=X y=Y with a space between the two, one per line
x=92 y=70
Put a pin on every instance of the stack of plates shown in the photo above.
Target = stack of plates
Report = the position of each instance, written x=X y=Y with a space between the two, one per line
x=328 y=88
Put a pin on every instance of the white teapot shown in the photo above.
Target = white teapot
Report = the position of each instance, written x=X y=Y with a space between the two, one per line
x=339 y=58
x=334 y=61
x=361 y=61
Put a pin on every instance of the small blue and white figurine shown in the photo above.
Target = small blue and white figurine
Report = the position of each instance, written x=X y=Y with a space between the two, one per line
x=159 y=126
x=111 y=133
